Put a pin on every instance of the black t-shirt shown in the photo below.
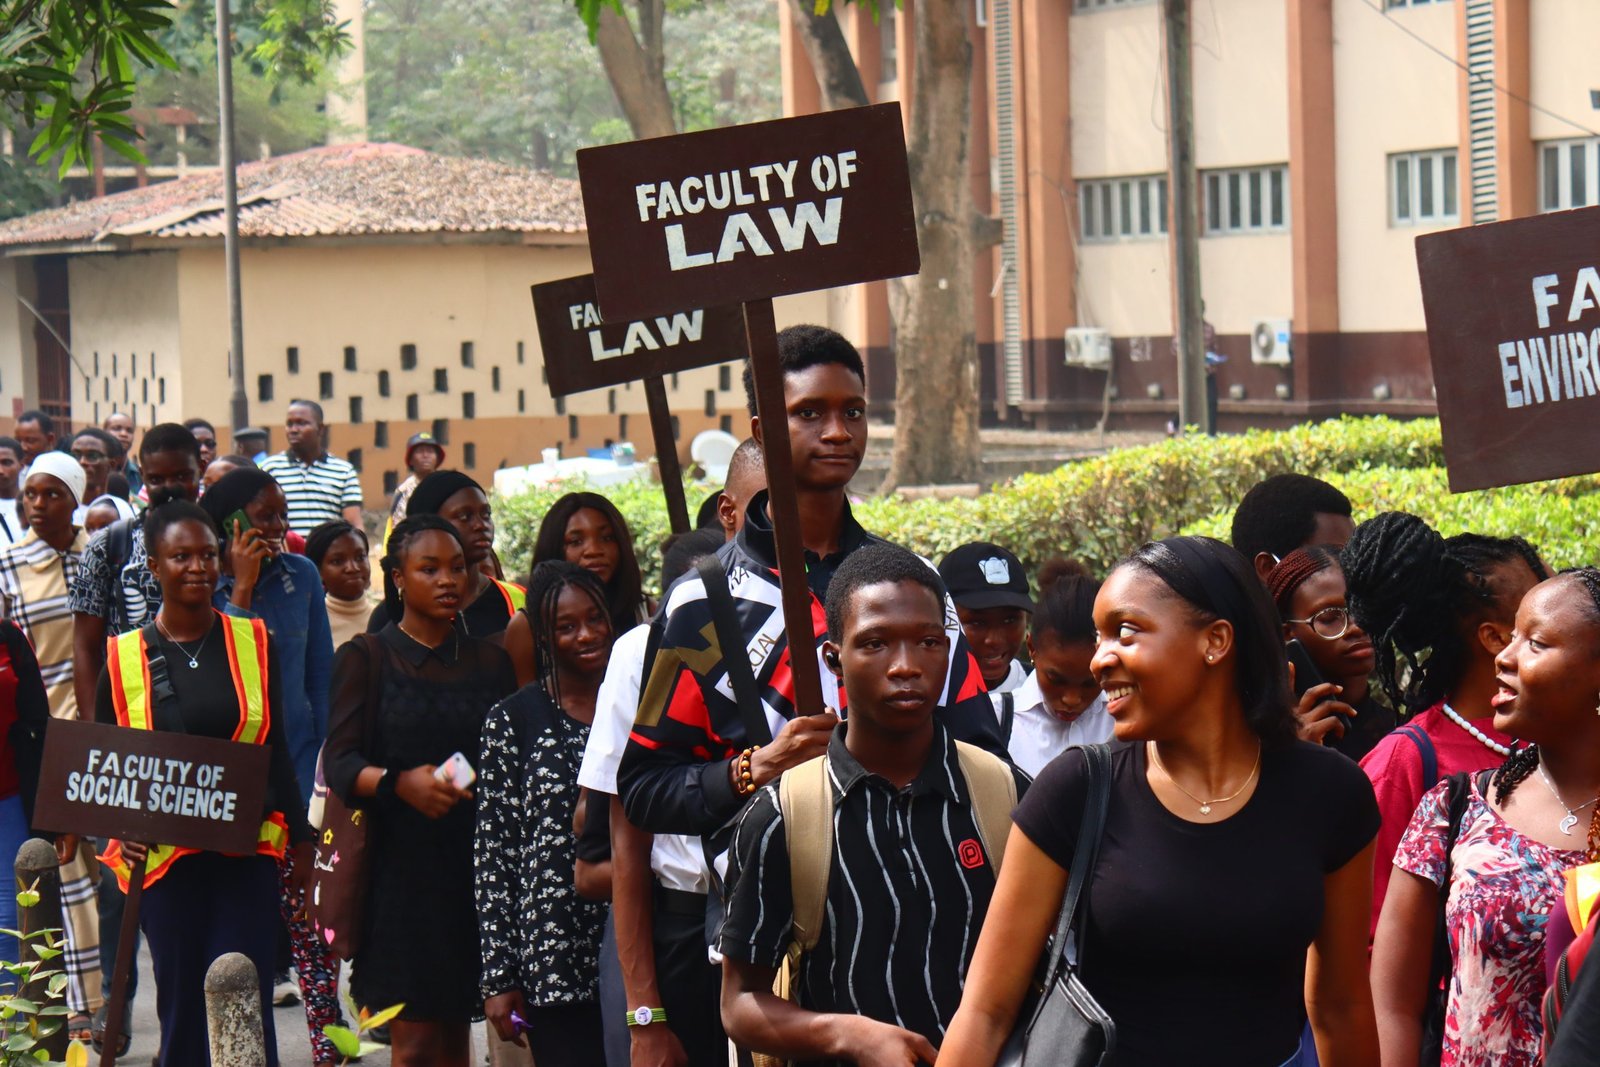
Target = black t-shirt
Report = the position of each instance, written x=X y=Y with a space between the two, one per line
x=1197 y=934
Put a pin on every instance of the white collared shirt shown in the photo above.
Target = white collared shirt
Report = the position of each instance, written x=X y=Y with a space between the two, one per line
x=1014 y=678
x=1037 y=736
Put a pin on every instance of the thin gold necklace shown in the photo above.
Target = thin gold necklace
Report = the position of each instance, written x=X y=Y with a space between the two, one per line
x=1205 y=805
x=424 y=644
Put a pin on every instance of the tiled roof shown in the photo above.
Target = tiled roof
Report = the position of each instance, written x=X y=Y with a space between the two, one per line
x=335 y=191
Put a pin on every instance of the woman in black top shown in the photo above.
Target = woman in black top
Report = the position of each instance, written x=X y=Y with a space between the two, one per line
x=1229 y=850
x=487 y=604
x=541 y=941
x=205 y=904
x=433 y=687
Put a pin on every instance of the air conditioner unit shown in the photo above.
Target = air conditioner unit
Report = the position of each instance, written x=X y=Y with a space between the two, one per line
x=1089 y=346
x=1269 y=342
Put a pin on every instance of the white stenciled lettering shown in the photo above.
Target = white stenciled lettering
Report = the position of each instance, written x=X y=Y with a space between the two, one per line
x=678 y=255
x=1585 y=295
x=1509 y=374
x=792 y=229
x=740 y=234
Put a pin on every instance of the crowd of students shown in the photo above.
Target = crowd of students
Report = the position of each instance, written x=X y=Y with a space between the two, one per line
x=1321 y=845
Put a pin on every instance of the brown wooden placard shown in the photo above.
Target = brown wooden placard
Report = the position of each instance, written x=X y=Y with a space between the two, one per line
x=581 y=352
x=749 y=212
x=151 y=785
x=1513 y=314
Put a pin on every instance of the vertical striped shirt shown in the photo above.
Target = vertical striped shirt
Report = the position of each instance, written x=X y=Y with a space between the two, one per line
x=908 y=891
x=317 y=492
x=35 y=585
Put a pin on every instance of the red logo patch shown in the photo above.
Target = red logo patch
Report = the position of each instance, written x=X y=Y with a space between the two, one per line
x=970 y=854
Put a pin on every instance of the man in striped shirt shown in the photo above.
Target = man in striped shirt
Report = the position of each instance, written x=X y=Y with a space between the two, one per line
x=912 y=870
x=319 y=487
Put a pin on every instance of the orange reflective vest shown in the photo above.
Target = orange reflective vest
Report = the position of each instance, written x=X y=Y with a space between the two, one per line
x=129 y=667
x=515 y=595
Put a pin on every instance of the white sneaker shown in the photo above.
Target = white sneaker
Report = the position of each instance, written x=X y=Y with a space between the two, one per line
x=285 y=993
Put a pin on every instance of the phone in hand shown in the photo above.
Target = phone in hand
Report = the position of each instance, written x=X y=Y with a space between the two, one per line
x=239 y=517
x=457 y=771
x=1306 y=675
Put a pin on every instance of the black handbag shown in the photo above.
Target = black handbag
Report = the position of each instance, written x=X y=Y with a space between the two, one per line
x=1061 y=1025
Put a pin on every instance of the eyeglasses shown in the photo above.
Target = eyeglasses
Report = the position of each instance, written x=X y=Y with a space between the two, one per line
x=1329 y=623
x=91 y=457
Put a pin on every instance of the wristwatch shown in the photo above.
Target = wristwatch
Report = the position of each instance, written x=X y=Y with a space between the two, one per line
x=643 y=1016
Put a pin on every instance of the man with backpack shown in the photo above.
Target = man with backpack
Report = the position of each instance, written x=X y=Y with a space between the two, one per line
x=864 y=875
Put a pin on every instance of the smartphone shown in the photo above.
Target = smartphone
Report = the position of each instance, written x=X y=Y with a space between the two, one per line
x=237 y=517
x=1306 y=675
x=457 y=771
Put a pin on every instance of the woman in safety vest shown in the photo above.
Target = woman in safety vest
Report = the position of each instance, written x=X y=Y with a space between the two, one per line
x=224 y=681
x=488 y=603
x=409 y=704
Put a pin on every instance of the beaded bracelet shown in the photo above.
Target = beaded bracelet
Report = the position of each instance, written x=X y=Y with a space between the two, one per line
x=744 y=782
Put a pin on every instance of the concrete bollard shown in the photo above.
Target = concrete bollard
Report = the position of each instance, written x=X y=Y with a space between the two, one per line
x=36 y=866
x=233 y=1012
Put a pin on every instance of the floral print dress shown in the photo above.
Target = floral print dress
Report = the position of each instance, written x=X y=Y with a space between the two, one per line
x=1503 y=887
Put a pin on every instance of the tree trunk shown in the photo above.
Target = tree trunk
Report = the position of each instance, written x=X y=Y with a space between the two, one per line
x=936 y=383
x=837 y=74
x=637 y=72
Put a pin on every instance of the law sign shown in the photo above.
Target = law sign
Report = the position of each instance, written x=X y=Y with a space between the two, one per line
x=749 y=212
x=581 y=352
x=1513 y=314
x=152 y=786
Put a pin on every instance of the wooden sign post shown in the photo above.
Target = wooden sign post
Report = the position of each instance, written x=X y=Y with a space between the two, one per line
x=1513 y=313
x=149 y=786
x=581 y=352
x=747 y=213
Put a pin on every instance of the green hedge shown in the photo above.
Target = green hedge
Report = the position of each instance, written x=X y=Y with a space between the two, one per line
x=1099 y=509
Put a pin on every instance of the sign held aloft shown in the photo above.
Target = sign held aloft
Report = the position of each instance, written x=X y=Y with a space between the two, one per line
x=749 y=212
x=1513 y=315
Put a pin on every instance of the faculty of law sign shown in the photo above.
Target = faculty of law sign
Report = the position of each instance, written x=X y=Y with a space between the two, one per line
x=749 y=212
x=581 y=352
x=1513 y=313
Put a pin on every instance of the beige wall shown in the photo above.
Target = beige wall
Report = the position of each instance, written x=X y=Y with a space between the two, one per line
x=125 y=338
x=1246 y=278
x=1241 y=107
x=1125 y=287
x=1564 y=35
x=18 y=373
x=1391 y=96
x=1118 y=102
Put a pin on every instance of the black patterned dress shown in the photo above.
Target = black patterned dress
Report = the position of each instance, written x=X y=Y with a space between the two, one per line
x=420 y=938
x=537 y=934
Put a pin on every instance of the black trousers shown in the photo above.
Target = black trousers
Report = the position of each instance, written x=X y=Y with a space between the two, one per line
x=566 y=1035
x=691 y=986
x=207 y=905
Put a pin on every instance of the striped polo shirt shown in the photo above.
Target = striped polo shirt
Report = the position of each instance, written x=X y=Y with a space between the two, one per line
x=35 y=583
x=317 y=492
x=907 y=895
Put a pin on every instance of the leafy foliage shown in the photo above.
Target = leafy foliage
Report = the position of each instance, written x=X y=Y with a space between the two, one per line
x=24 y=1022
x=350 y=1042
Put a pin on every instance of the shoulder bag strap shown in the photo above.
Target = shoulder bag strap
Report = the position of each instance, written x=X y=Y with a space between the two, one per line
x=164 y=699
x=1097 y=801
x=1430 y=757
x=805 y=798
x=993 y=789
x=1008 y=714
x=735 y=656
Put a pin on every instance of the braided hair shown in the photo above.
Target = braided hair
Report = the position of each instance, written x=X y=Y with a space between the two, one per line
x=1411 y=589
x=545 y=586
x=395 y=554
x=1294 y=570
x=1522 y=763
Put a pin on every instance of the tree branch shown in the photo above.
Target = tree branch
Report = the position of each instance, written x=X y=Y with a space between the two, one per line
x=636 y=76
x=837 y=74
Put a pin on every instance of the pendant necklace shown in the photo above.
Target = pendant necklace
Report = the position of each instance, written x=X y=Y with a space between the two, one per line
x=1571 y=819
x=1205 y=805
x=194 y=657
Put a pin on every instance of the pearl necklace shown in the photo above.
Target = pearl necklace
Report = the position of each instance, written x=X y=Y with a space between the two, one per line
x=1492 y=745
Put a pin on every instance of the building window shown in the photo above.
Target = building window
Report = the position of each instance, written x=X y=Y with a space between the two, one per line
x=380 y=434
x=711 y=403
x=383 y=383
x=441 y=380
x=1101 y=5
x=467 y=355
x=113 y=364
x=494 y=379
x=412 y=407
x=725 y=424
x=349 y=357
x=677 y=431
x=391 y=482
x=1423 y=187
x=354 y=456
x=292 y=357
x=561 y=405
x=325 y=385
x=161 y=389
x=572 y=427
x=134 y=360
x=724 y=378
x=469 y=405
x=611 y=401
x=408 y=357
x=263 y=388
x=97 y=364
x=622 y=427
x=469 y=455
x=1255 y=200
x=1569 y=174
x=355 y=409
x=522 y=355
x=441 y=431
x=674 y=379
x=1117 y=209
x=522 y=401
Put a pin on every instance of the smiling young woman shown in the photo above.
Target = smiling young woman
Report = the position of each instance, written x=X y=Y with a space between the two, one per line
x=1208 y=778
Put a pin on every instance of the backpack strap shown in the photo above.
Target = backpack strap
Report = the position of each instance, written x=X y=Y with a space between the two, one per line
x=1430 y=757
x=993 y=789
x=1008 y=715
x=735 y=656
x=805 y=799
x=119 y=544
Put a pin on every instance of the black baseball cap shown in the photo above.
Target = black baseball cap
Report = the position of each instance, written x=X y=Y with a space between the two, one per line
x=983 y=575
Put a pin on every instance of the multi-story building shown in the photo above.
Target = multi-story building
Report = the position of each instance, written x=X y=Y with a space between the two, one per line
x=1329 y=134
